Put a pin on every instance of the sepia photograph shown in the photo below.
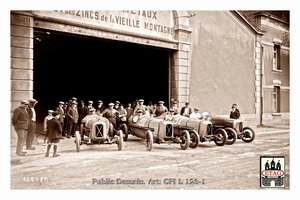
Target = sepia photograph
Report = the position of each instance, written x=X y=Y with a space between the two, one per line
x=149 y=99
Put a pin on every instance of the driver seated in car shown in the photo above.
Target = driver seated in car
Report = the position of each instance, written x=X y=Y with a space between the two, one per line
x=91 y=117
x=137 y=116
x=170 y=115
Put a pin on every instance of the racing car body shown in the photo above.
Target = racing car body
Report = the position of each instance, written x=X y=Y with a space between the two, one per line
x=203 y=129
x=246 y=133
x=96 y=129
x=155 y=130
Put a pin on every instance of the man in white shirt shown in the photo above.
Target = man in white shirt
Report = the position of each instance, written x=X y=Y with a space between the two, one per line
x=32 y=124
x=195 y=114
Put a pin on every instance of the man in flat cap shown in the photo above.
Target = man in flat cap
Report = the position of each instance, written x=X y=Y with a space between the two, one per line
x=111 y=114
x=32 y=124
x=235 y=113
x=45 y=124
x=140 y=106
x=53 y=134
x=20 y=121
x=175 y=108
x=195 y=114
x=100 y=107
x=62 y=114
x=160 y=109
x=73 y=117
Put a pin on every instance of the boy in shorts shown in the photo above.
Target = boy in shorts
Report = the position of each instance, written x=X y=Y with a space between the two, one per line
x=53 y=133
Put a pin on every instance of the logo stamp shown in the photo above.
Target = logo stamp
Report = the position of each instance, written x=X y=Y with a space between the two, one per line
x=272 y=171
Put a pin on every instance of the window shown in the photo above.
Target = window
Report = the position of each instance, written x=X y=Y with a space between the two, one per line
x=276 y=57
x=276 y=98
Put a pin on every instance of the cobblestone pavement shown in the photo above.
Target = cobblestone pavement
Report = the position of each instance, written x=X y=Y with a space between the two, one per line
x=165 y=167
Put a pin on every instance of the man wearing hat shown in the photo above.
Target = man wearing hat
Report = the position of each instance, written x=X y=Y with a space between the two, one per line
x=175 y=107
x=160 y=109
x=45 y=124
x=195 y=114
x=62 y=116
x=111 y=114
x=82 y=110
x=140 y=106
x=90 y=105
x=235 y=113
x=53 y=134
x=186 y=110
x=32 y=124
x=100 y=107
x=20 y=121
x=117 y=105
x=73 y=116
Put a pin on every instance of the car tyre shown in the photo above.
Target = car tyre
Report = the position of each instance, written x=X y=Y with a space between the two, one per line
x=77 y=141
x=185 y=140
x=194 y=139
x=220 y=137
x=119 y=140
x=248 y=134
x=149 y=140
x=232 y=136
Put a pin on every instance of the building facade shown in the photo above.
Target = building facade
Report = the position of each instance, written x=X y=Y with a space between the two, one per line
x=210 y=58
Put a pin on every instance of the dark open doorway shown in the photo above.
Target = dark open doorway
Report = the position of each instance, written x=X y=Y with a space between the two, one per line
x=66 y=66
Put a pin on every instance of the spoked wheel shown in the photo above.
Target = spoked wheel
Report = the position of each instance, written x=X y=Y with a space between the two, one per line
x=194 y=139
x=77 y=141
x=124 y=128
x=120 y=140
x=185 y=140
x=220 y=137
x=149 y=140
x=232 y=135
x=248 y=134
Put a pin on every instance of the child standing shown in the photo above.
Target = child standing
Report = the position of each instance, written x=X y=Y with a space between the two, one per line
x=53 y=133
x=48 y=117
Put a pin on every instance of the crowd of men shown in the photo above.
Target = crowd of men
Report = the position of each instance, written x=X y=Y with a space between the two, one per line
x=67 y=117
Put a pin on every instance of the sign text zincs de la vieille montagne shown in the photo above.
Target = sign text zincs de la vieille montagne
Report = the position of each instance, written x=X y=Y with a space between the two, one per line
x=149 y=22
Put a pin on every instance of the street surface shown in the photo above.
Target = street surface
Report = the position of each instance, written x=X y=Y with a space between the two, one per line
x=103 y=167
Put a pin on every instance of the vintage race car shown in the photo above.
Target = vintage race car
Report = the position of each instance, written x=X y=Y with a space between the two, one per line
x=202 y=129
x=155 y=130
x=97 y=130
x=234 y=128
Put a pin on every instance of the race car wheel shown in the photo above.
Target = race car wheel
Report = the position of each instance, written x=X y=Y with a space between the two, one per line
x=194 y=139
x=77 y=140
x=149 y=140
x=120 y=140
x=185 y=140
x=248 y=134
x=220 y=137
x=124 y=128
x=232 y=135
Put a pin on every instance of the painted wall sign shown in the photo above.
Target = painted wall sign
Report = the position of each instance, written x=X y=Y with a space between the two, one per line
x=146 y=22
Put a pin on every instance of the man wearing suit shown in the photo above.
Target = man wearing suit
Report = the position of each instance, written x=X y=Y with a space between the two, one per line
x=82 y=110
x=100 y=107
x=186 y=111
x=235 y=113
x=73 y=116
x=61 y=112
x=32 y=124
x=20 y=121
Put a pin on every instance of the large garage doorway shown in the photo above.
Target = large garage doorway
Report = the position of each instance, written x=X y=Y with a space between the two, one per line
x=89 y=68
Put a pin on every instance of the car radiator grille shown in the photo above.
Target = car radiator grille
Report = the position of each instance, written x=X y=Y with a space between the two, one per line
x=169 y=130
x=99 y=130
